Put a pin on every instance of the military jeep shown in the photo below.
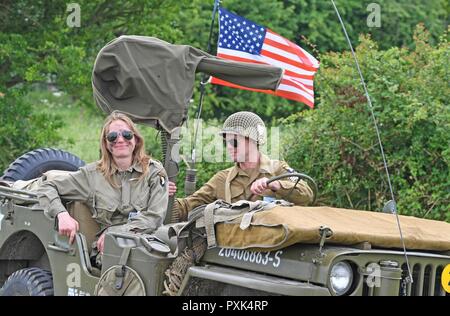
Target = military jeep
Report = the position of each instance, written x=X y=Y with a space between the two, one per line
x=35 y=260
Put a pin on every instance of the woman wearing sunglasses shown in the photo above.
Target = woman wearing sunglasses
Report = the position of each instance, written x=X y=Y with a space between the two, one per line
x=126 y=189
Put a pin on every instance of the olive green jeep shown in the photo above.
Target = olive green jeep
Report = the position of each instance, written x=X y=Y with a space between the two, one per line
x=35 y=260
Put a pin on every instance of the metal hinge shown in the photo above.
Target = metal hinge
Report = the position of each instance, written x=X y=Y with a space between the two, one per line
x=9 y=211
x=325 y=233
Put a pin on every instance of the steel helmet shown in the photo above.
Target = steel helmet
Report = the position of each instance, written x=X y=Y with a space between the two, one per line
x=246 y=124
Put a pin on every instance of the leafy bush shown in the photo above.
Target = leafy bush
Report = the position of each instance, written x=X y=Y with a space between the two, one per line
x=37 y=46
x=336 y=143
x=22 y=129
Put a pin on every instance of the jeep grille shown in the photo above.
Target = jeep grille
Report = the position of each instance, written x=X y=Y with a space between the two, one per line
x=426 y=276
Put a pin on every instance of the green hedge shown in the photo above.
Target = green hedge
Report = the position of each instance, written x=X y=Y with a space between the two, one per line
x=336 y=143
x=22 y=129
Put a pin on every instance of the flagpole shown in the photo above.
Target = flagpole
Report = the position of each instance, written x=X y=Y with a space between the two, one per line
x=213 y=18
x=191 y=172
x=204 y=81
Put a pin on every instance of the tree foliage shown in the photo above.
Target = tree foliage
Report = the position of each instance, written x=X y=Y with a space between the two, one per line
x=21 y=129
x=313 y=25
x=38 y=46
x=36 y=41
x=337 y=144
x=317 y=21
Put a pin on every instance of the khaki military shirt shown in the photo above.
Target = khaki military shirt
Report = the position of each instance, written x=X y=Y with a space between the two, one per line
x=233 y=184
x=138 y=204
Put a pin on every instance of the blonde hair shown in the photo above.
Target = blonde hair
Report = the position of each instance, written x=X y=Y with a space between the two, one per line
x=107 y=166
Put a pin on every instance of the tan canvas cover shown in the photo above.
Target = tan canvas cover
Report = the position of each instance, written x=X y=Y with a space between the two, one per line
x=152 y=81
x=283 y=226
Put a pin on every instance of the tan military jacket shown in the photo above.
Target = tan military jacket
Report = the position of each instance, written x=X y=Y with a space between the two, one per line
x=139 y=204
x=233 y=184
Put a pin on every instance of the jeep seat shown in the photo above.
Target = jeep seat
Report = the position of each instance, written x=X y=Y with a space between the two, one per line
x=88 y=226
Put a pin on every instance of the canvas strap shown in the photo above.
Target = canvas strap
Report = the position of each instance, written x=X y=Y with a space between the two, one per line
x=120 y=270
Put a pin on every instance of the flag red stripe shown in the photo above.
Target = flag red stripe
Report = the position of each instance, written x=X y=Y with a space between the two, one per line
x=286 y=60
x=294 y=96
x=292 y=48
x=237 y=58
x=246 y=60
x=285 y=94
x=305 y=60
x=297 y=85
x=295 y=90
x=215 y=80
x=296 y=75
x=286 y=48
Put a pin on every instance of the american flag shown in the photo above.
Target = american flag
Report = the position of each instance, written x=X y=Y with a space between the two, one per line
x=243 y=40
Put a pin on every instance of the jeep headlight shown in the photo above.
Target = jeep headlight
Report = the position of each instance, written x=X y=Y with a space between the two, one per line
x=341 y=277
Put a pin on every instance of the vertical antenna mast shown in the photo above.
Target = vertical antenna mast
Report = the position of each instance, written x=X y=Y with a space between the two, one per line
x=191 y=179
x=392 y=205
x=203 y=81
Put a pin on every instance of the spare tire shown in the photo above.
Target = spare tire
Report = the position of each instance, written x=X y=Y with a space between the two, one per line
x=34 y=163
x=29 y=282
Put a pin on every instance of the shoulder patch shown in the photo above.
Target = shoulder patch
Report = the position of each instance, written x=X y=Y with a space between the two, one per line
x=162 y=181
x=162 y=174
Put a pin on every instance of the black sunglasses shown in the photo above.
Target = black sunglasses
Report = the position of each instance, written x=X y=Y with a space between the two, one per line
x=112 y=136
x=233 y=142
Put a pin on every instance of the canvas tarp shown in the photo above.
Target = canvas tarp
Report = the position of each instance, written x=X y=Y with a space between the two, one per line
x=153 y=81
x=282 y=226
